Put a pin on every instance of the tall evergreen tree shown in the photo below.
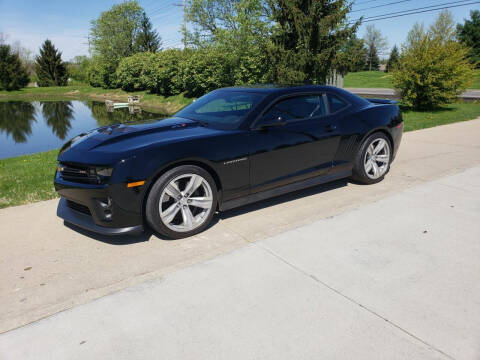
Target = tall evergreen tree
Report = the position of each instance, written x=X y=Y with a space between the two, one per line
x=148 y=38
x=469 y=35
x=13 y=74
x=50 y=68
x=307 y=37
x=393 y=59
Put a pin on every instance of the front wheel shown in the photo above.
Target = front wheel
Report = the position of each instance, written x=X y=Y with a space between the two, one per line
x=373 y=159
x=182 y=202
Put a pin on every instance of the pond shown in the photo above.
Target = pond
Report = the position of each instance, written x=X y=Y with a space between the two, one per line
x=30 y=127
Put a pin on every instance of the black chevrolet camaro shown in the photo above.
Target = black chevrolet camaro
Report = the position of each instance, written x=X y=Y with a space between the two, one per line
x=229 y=148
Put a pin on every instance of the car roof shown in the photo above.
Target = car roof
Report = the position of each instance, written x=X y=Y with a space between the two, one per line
x=274 y=90
x=278 y=88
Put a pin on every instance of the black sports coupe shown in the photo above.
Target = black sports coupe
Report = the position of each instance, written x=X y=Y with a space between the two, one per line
x=228 y=148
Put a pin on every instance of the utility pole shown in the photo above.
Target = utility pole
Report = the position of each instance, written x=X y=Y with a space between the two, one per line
x=184 y=27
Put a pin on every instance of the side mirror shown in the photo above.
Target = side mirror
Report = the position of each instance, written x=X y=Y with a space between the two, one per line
x=272 y=123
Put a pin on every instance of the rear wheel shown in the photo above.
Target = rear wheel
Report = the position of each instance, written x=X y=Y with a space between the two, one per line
x=373 y=159
x=182 y=202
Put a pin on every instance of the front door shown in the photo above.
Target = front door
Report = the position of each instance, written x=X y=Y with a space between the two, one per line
x=303 y=147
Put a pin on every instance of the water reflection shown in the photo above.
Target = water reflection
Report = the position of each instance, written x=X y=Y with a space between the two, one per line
x=58 y=115
x=29 y=127
x=16 y=119
x=104 y=116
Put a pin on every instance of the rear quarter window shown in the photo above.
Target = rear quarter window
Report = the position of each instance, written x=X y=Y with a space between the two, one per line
x=335 y=103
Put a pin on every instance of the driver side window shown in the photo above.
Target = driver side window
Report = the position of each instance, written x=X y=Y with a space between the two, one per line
x=296 y=108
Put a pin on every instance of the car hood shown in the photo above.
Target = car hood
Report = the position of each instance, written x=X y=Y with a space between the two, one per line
x=112 y=143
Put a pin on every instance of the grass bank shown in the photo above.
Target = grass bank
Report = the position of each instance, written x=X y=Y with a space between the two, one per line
x=29 y=178
x=164 y=105
x=379 y=79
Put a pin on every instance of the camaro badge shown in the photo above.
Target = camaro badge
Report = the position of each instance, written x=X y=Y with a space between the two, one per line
x=230 y=162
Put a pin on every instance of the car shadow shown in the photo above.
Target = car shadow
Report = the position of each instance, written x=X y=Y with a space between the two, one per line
x=318 y=189
x=147 y=234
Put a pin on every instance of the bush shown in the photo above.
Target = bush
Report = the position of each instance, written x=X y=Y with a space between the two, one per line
x=79 y=69
x=13 y=74
x=163 y=75
x=431 y=72
x=101 y=73
x=206 y=70
x=131 y=70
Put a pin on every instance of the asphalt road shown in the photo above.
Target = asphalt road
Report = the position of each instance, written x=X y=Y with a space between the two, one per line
x=46 y=267
x=372 y=92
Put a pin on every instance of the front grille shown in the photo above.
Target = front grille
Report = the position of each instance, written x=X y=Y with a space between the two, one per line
x=77 y=173
x=78 y=207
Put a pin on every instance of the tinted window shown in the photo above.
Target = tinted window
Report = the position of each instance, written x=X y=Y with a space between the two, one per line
x=335 y=103
x=225 y=108
x=300 y=107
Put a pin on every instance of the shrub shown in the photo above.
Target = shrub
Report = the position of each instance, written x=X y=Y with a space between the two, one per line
x=431 y=71
x=163 y=75
x=206 y=70
x=131 y=70
x=13 y=74
x=78 y=70
x=101 y=73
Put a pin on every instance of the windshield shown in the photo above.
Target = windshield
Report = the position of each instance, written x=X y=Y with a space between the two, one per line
x=224 y=108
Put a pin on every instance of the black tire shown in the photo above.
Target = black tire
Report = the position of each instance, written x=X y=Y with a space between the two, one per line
x=359 y=173
x=152 y=211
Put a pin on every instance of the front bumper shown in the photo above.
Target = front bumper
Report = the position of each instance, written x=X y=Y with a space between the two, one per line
x=86 y=222
x=111 y=209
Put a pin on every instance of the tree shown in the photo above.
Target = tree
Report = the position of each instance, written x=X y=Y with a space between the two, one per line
x=306 y=38
x=236 y=27
x=147 y=39
x=443 y=28
x=351 y=57
x=393 y=59
x=376 y=45
x=50 y=68
x=113 y=34
x=13 y=74
x=469 y=35
x=432 y=69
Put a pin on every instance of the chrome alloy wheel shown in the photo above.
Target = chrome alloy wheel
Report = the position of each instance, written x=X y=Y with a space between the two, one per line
x=186 y=202
x=377 y=158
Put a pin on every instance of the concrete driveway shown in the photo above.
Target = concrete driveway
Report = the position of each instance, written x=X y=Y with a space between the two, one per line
x=46 y=267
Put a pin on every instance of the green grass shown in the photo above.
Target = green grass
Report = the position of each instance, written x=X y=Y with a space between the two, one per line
x=368 y=79
x=379 y=79
x=165 y=105
x=29 y=178
x=26 y=179
x=416 y=120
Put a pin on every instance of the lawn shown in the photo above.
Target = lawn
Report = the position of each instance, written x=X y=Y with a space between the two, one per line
x=29 y=178
x=165 y=105
x=379 y=79
x=368 y=79
x=416 y=120
x=26 y=179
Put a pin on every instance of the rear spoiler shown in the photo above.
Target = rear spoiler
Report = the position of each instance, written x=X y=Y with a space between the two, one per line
x=383 y=101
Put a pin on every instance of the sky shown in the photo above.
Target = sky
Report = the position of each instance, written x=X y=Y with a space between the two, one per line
x=67 y=22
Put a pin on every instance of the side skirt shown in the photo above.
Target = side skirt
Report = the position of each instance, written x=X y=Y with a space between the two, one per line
x=230 y=204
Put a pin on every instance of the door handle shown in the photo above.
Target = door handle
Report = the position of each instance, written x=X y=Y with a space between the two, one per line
x=330 y=127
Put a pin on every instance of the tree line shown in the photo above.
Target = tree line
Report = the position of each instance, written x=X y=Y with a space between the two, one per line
x=261 y=41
